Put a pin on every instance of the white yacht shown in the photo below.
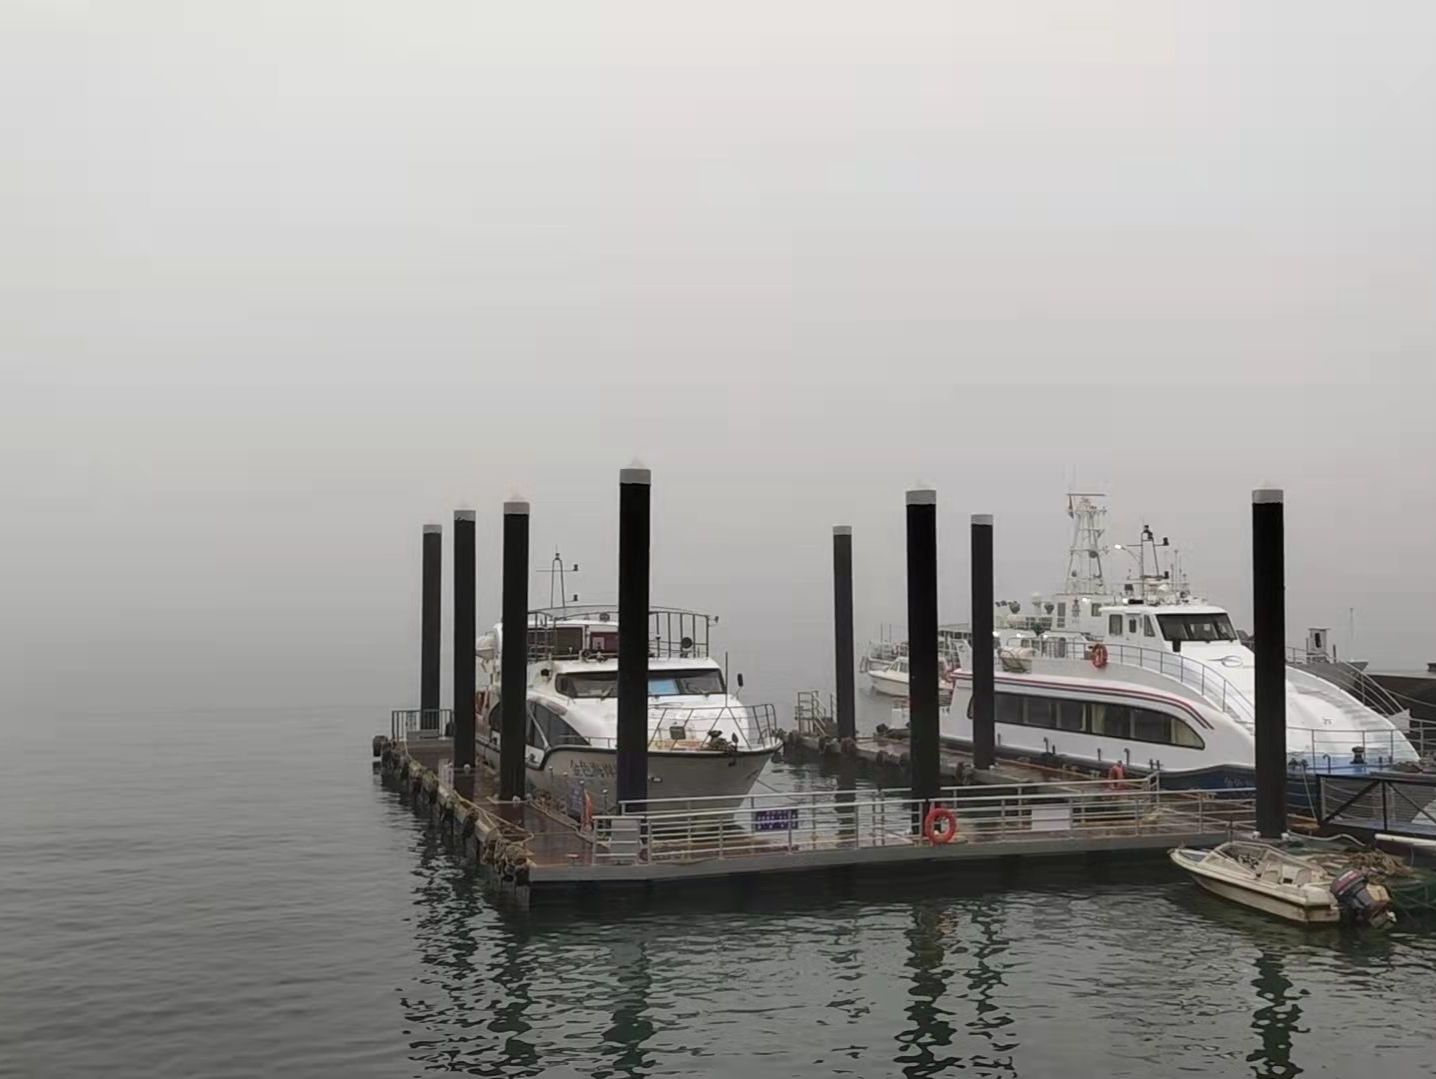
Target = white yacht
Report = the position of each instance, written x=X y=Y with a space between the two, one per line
x=886 y=663
x=703 y=742
x=1155 y=679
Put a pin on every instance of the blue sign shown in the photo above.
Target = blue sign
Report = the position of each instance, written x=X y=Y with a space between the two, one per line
x=775 y=820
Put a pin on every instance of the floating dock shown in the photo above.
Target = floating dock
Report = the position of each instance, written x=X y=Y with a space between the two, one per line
x=533 y=851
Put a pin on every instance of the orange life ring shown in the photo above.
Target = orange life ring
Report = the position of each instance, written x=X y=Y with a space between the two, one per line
x=1115 y=775
x=929 y=825
x=1099 y=656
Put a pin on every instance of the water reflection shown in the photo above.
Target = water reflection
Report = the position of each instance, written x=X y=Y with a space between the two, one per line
x=930 y=1031
x=632 y=1024
x=984 y=980
x=1276 y=1022
x=935 y=934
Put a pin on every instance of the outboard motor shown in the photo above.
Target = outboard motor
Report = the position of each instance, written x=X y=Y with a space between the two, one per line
x=1361 y=902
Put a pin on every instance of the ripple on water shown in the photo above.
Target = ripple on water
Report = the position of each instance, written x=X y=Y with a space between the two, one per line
x=296 y=919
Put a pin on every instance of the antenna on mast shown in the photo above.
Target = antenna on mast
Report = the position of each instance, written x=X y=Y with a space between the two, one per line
x=556 y=578
x=1084 y=556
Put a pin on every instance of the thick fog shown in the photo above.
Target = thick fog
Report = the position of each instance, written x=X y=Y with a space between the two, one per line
x=281 y=282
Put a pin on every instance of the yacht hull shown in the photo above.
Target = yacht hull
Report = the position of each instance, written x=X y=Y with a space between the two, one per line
x=715 y=781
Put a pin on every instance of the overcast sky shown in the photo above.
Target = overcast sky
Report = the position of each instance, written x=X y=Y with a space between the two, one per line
x=281 y=281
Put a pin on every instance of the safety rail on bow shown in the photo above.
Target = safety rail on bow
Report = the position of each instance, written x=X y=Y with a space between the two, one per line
x=1347 y=677
x=844 y=820
x=1330 y=749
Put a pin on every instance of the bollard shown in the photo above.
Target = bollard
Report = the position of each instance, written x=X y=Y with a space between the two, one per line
x=635 y=486
x=843 y=629
x=922 y=643
x=1269 y=627
x=984 y=736
x=465 y=632
x=513 y=673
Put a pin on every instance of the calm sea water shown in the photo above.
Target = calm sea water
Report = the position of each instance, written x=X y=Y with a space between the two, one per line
x=233 y=894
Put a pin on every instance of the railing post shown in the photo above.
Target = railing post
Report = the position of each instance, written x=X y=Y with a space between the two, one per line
x=634 y=501
x=843 y=630
x=1269 y=623
x=984 y=728
x=923 y=763
x=465 y=631
x=513 y=663
x=429 y=636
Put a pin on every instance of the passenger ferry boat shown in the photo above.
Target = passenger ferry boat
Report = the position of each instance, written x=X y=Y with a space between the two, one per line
x=703 y=742
x=1154 y=679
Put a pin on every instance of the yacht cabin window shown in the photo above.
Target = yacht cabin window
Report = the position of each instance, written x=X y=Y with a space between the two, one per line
x=1148 y=630
x=602 y=685
x=547 y=728
x=1132 y=626
x=1114 y=625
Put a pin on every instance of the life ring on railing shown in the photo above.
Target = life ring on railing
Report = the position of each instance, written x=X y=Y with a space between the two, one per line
x=930 y=822
x=1099 y=656
x=1115 y=775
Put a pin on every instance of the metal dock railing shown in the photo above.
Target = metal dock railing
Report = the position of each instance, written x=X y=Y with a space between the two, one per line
x=796 y=824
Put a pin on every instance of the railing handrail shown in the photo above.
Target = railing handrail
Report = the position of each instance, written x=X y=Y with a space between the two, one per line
x=402 y=721
x=1367 y=687
x=1035 y=793
x=872 y=819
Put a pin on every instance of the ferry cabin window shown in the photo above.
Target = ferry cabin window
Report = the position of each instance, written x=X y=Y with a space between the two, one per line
x=1096 y=718
x=1148 y=630
x=1132 y=626
x=1110 y=720
x=1069 y=715
x=1114 y=625
x=1041 y=712
x=1197 y=627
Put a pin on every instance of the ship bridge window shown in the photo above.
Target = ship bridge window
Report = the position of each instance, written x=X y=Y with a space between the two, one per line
x=602 y=685
x=1095 y=718
x=1148 y=630
x=1197 y=627
x=684 y=683
x=1114 y=625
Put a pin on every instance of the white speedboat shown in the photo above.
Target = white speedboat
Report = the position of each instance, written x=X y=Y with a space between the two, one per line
x=704 y=744
x=893 y=681
x=1266 y=878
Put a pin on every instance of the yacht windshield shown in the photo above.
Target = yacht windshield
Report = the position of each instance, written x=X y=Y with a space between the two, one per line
x=603 y=684
x=1197 y=627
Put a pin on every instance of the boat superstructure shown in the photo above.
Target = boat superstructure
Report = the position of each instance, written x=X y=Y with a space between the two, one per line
x=702 y=741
